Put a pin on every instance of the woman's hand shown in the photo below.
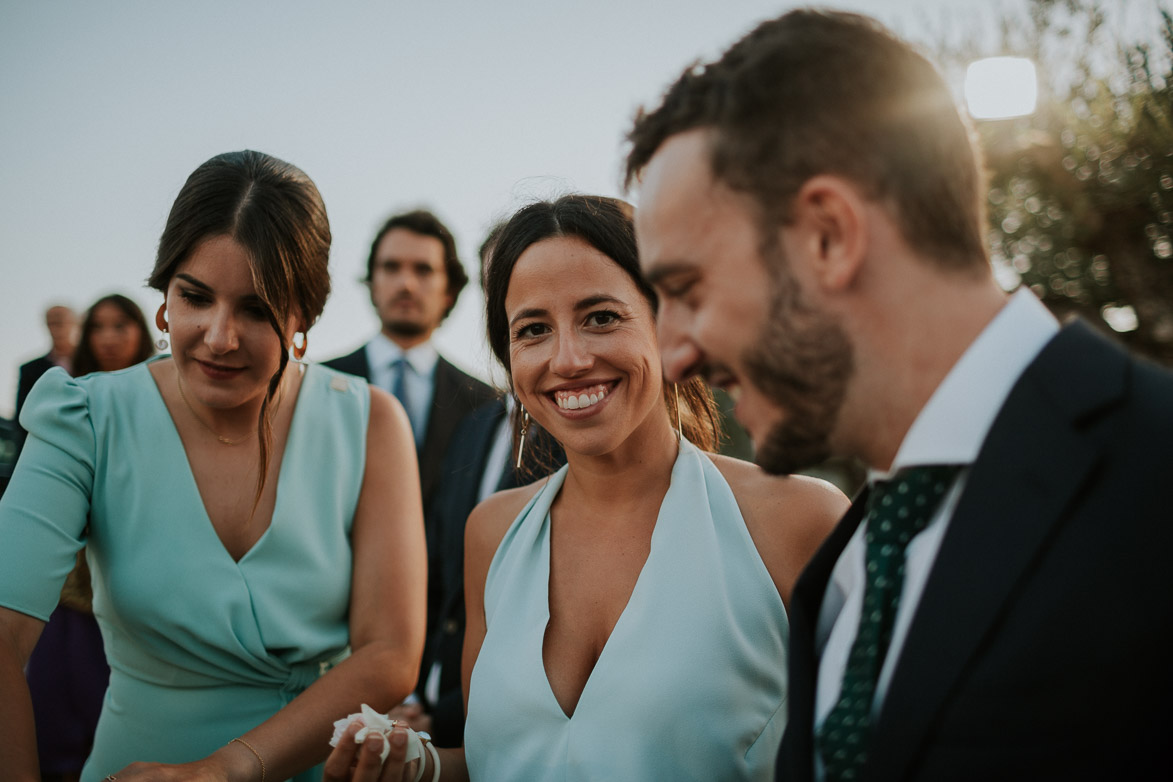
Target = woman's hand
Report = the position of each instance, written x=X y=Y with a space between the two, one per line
x=351 y=762
x=228 y=764
x=414 y=715
x=200 y=771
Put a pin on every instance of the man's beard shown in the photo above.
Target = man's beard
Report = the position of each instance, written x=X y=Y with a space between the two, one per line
x=802 y=361
x=405 y=328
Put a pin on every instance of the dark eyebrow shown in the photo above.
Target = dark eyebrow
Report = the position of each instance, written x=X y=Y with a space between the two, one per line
x=597 y=299
x=252 y=298
x=581 y=304
x=193 y=281
x=532 y=312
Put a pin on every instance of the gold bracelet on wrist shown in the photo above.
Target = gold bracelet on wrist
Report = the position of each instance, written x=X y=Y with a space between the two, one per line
x=253 y=750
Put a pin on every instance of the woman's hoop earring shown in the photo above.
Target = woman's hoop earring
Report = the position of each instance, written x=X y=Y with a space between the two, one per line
x=161 y=324
x=524 y=429
x=299 y=350
x=679 y=428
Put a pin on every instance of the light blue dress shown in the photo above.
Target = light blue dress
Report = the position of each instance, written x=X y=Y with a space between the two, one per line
x=202 y=648
x=690 y=685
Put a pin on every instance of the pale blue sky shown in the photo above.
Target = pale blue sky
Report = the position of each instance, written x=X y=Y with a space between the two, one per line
x=470 y=108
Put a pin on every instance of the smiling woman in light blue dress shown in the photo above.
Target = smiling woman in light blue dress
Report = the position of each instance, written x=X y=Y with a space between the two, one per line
x=627 y=616
x=252 y=524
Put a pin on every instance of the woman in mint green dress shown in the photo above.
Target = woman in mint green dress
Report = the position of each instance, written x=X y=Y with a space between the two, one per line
x=252 y=578
x=626 y=617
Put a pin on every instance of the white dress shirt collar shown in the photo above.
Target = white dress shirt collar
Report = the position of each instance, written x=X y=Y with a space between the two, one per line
x=381 y=352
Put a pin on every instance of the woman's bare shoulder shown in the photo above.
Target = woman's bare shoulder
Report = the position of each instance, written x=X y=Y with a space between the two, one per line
x=788 y=517
x=491 y=518
x=796 y=493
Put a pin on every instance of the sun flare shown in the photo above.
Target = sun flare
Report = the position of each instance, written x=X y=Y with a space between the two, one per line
x=1001 y=87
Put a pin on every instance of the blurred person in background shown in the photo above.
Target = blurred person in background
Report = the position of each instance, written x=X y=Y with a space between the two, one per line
x=114 y=335
x=62 y=325
x=414 y=277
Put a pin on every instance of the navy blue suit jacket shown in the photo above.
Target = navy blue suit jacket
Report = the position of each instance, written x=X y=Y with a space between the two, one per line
x=455 y=394
x=1040 y=647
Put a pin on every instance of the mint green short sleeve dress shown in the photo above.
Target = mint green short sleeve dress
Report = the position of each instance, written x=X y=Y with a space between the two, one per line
x=691 y=684
x=201 y=647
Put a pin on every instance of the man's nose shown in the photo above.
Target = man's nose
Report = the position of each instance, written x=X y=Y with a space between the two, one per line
x=678 y=353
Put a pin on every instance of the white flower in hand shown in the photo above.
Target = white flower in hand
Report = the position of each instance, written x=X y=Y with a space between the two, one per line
x=378 y=724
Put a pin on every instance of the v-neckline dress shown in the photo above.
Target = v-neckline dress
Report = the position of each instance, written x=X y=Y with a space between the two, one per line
x=691 y=683
x=202 y=647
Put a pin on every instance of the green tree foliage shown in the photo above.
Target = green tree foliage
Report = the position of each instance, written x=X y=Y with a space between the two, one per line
x=1081 y=192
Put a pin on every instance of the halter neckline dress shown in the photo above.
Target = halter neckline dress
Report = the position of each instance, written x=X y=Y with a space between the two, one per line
x=691 y=683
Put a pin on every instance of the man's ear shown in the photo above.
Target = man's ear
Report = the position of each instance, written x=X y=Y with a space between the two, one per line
x=829 y=224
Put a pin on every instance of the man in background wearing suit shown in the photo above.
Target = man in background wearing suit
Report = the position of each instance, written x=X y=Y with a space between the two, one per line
x=62 y=324
x=996 y=603
x=415 y=277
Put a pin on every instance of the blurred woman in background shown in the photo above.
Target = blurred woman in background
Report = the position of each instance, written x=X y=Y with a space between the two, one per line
x=114 y=335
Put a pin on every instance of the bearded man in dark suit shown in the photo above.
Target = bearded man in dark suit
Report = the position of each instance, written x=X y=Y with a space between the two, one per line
x=415 y=278
x=995 y=605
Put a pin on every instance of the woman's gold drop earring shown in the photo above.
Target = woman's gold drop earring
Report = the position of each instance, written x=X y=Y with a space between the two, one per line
x=524 y=429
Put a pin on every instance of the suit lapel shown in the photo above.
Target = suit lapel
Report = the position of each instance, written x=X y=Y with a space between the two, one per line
x=796 y=758
x=353 y=363
x=1033 y=461
x=480 y=443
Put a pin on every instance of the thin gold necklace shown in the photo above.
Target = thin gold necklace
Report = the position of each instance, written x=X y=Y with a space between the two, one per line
x=203 y=423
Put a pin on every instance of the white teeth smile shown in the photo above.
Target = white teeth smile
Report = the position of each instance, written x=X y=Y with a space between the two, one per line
x=577 y=400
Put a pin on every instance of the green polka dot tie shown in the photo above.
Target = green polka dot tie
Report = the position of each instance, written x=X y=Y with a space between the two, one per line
x=896 y=511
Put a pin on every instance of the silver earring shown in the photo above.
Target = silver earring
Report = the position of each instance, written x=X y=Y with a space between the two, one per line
x=161 y=343
x=524 y=429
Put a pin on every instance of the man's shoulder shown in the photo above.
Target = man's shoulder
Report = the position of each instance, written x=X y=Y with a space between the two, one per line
x=1093 y=389
x=354 y=363
x=38 y=364
x=1086 y=367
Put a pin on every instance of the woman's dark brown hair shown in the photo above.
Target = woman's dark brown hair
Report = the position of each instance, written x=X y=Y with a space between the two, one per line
x=275 y=212
x=84 y=360
x=605 y=224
